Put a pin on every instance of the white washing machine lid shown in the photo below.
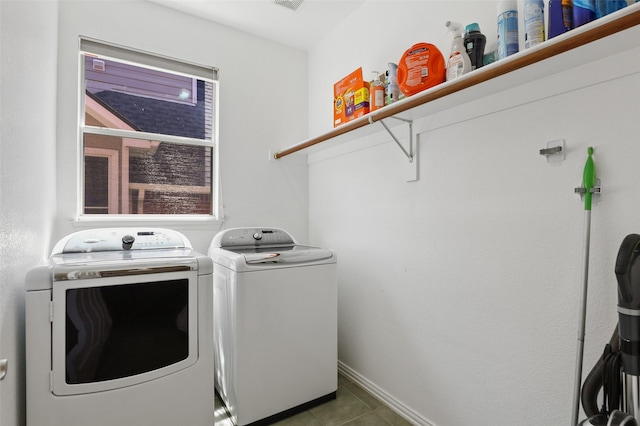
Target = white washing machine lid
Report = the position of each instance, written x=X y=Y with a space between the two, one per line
x=284 y=254
x=283 y=257
x=259 y=248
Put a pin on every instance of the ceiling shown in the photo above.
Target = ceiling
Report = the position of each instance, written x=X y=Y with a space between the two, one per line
x=301 y=28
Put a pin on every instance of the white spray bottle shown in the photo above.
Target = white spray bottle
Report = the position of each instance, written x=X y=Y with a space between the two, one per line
x=459 y=62
x=392 y=91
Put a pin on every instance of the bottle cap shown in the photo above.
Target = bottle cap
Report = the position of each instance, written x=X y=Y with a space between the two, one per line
x=472 y=27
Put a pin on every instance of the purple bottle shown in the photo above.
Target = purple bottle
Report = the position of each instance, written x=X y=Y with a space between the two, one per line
x=560 y=17
x=584 y=11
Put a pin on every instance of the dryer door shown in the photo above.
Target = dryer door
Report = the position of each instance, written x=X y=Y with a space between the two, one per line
x=120 y=331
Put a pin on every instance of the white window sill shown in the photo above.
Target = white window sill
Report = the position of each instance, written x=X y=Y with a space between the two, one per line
x=172 y=221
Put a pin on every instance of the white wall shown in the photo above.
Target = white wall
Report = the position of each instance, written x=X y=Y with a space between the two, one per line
x=459 y=293
x=257 y=109
x=28 y=50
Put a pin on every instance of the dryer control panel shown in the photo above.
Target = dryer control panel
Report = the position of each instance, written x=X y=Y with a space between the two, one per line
x=119 y=239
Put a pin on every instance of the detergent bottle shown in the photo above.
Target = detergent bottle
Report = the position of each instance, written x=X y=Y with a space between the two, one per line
x=421 y=66
x=459 y=62
x=474 y=42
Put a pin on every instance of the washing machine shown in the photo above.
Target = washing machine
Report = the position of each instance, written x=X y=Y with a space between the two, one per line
x=119 y=331
x=275 y=324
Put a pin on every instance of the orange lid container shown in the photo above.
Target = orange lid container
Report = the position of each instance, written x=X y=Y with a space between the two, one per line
x=421 y=67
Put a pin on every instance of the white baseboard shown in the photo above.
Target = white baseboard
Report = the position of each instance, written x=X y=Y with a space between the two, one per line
x=406 y=412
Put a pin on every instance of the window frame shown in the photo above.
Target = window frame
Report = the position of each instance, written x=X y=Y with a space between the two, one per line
x=209 y=74
x=113 y=159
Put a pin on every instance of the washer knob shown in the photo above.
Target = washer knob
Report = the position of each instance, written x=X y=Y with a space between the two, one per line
x=127 y=242
x=257 y=236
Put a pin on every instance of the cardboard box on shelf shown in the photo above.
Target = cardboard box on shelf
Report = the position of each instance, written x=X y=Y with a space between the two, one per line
x=350 y=98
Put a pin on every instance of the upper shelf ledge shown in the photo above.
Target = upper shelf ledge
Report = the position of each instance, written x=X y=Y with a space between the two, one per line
x=619 y=21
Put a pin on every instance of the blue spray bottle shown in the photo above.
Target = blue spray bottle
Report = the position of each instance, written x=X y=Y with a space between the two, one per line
x=605 y=7
x=508 y=42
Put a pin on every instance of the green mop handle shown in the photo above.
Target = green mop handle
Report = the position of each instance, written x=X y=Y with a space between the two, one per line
x=589 y=179
x=588 y=182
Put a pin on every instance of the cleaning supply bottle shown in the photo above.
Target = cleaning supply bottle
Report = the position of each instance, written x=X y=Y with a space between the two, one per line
x=507 y=28
x=605 y=7
x=474 y=42
x=584 y=11
x=459 y=62
x=560 y=17
x=392 y=91
x=376 y=93
x=533 y=23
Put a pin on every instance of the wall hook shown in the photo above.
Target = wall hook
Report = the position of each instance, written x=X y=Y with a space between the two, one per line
x=596 y=191
x=549 y=151
x=554 y=151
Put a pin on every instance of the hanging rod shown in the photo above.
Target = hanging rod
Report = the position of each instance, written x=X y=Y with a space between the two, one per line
x=618 y=21
x=345 y=128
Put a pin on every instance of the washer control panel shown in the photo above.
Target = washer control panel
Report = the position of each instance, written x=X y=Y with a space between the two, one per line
x=118 y=239
x=250 y=237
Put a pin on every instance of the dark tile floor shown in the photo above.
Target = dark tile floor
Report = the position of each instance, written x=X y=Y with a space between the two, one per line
x=353 y=406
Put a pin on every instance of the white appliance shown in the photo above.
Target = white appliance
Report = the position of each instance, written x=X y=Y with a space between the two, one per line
x=119 y=331
x=275 y=324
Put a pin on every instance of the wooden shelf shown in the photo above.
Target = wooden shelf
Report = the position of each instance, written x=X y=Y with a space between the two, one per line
x=616 y=22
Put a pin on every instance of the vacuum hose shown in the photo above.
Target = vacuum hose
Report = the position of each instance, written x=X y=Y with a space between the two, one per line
x=628 y=275
x=596 y=379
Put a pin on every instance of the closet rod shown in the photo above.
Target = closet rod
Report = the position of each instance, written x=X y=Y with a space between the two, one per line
x=603 y=27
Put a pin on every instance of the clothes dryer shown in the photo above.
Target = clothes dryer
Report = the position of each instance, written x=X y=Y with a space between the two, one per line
x=275 y=324
x=119 y=331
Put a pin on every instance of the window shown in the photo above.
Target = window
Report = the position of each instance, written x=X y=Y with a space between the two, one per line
x=148 y=134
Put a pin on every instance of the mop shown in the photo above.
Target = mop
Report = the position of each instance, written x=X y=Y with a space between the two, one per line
x=588 y=183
